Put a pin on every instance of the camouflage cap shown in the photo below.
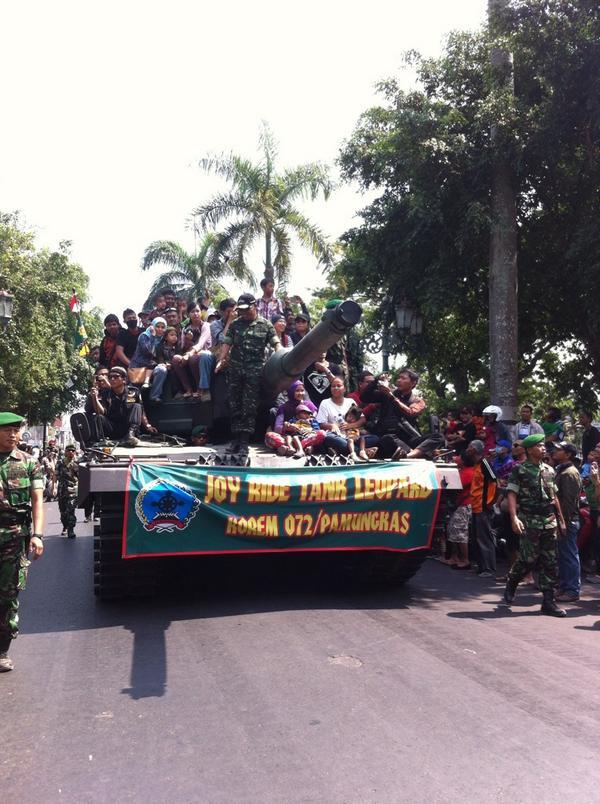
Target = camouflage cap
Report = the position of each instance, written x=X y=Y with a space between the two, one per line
x=10 y=418
x=533 y=440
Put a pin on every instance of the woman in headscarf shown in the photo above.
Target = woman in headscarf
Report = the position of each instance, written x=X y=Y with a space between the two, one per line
x=275 y=436
x=145 y=351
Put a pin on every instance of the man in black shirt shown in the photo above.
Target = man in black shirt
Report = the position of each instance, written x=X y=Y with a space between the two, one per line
x=119 y=412
x=397 y=427
x=127 y=338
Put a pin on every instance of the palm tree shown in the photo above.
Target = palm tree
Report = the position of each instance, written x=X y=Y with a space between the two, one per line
x=260 y=204
x=193 y=273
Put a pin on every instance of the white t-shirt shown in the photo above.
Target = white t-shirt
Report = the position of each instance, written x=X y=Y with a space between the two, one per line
x=330 y=413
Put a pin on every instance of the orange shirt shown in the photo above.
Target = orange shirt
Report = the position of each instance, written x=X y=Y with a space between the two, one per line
x=477 y=491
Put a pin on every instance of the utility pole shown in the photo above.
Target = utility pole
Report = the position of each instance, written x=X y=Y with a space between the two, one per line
x=503 y=277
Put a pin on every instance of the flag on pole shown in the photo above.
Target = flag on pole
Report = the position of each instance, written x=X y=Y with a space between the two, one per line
x=74 y=305
x=81 y=337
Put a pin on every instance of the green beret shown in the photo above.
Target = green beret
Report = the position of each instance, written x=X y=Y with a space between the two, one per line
x=10 y=418
x=199 y=429
x=532 y=440
x=332 y=303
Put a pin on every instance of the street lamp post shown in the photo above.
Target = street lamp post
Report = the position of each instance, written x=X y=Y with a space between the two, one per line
x=407 y=322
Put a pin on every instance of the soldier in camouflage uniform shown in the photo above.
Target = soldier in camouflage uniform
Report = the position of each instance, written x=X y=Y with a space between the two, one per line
x=21 y=502
x=243 y=350
x=531 y=485
x=67 y=472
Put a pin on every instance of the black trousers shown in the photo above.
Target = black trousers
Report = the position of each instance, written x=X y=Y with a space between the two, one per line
x=117 y=427
x=390 y=442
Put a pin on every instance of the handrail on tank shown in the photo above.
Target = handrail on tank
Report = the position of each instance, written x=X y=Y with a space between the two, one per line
x=287 y=365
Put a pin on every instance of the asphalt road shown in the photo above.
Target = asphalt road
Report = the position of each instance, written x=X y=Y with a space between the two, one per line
x=283 y=684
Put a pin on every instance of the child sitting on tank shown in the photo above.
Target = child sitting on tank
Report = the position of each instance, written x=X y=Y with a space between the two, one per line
x=303 y=432
x=355 y=434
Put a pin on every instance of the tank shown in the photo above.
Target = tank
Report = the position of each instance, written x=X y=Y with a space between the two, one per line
x=301 y=522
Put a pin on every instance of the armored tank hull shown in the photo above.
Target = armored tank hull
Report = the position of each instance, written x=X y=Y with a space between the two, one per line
x=361 y=514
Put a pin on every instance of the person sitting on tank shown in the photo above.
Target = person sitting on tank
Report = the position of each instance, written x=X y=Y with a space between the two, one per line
x=318 y=378
x=303 y=433
x=101 y=386
x=144 y=357
x=357 y=435
x=193 y=367
x=397 y=426
x=331 y=417
x=160 y=304
x=268 y=305
x=128 y=337
x=108 y=345
x=280 y=325
x=282 y=426
x=301 y=327
x=165 y=352
x=121 y=414
x=171 y=316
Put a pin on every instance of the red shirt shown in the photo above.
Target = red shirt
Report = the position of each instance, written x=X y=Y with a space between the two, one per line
x=466 y=477
x=369 y=409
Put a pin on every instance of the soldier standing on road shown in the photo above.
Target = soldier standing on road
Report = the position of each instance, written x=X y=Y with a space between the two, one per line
x=68 y=479
x=243 y=350
x=532 y=486
x=21 y=503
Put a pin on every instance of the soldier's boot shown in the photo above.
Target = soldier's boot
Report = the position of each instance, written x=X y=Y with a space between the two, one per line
x=71 y=533
x=244 y=444
x=549 y=607
x=131 y=439
x=6 y=663
x=510 y=591
x=234 y=446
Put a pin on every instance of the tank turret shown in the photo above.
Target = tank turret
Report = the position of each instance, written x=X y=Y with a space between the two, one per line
x=287 y=365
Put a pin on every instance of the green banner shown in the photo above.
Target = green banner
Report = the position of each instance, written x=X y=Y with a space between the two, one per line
x=195 y=510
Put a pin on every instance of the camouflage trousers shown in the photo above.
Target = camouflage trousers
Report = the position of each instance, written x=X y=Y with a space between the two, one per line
x=537 y=551
x=13 y=576
x=244 y=383
x=66 y=506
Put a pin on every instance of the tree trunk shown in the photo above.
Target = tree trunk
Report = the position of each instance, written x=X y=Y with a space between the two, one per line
x=503 y=294
x=268 y=258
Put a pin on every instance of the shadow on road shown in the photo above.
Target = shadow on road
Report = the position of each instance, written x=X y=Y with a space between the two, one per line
x=60 y=597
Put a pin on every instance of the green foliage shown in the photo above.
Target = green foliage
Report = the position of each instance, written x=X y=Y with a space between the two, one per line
x=260 y=205
x=41 y=372
x=426 y=237
x=191 y=274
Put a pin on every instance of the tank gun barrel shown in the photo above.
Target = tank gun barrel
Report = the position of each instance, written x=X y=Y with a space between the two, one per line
x=287 y=365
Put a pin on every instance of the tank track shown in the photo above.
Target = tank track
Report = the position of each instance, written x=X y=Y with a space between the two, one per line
x=113 y=577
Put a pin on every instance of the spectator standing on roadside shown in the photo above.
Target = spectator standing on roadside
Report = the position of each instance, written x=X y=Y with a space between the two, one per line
x=591 y=434
x=568 y=485
x=526 y=425
x=483 y=494
x=460 y=521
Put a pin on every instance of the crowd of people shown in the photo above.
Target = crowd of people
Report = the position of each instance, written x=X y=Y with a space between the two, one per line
x=529 y=490
x=187 y=351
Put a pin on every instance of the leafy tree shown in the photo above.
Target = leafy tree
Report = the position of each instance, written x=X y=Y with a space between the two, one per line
x=192 y=273
x=41 y=372
x=261 y=205
x=426 y=237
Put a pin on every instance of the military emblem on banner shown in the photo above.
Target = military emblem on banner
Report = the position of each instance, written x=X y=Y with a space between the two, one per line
x=166 y=505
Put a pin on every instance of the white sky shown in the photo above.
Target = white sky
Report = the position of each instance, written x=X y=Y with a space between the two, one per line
x=107 y=108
